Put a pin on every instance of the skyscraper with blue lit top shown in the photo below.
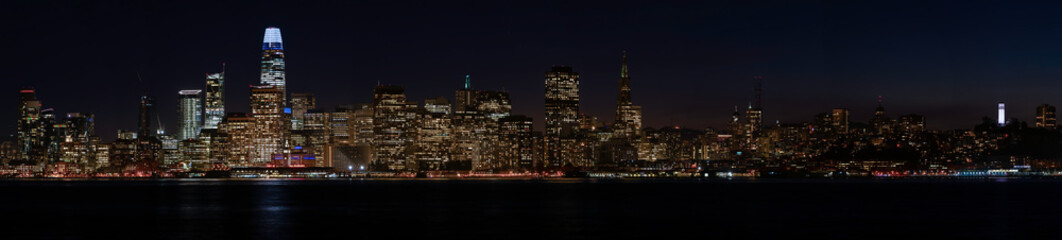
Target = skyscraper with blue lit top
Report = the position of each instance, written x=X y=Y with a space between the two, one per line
x=273 y=60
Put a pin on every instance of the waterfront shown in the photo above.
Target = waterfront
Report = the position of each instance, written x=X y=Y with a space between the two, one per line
x=533 y=209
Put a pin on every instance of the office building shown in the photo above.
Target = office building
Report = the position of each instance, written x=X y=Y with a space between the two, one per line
x=190 y=113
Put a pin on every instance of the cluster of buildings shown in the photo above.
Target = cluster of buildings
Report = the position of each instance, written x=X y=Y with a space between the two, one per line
x=477 y=132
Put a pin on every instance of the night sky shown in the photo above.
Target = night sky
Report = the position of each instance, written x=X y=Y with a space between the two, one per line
x=691 y=62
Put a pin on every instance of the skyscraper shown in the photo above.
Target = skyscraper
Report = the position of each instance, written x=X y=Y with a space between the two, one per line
x=628 y=116
x=1001 y=118
x=273 y=61
x=839 y=120
x=300 y=103
x=30 y=128
x=465 y=99
x=754 y=114
x=391 y=130
x=433 y=137
x=515 y=142
x=562 y=114
x=214 y=104
x=267 y=110
x=493 y=104
x=190 y=112
x=1045 y=116
x=468 y=125
x=881 y=124
x=238 y=149
x=148 y=124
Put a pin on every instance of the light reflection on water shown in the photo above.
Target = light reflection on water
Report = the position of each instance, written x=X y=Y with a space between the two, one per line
x=488 y=208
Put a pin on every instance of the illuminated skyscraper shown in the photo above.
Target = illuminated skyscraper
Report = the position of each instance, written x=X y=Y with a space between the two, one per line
x=468 y=127
x=1045 y=116
x=562 y=114
x=1002 y=116
x=839 y=120
x=214 y=104
x=515 y=142
x=493 y=104
x=190 y=112
x=238 y=148
x=300 y=103
x=754 y=114
x=273 y=61
x=628 y=116
x=434 y=136
x=30 y=128
x=437 y=105
x=267 y=109
x=391 y=130
x=465 y=99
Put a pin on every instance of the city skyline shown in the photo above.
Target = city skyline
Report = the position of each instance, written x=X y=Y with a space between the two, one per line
x=543 y=119
x=957 y=84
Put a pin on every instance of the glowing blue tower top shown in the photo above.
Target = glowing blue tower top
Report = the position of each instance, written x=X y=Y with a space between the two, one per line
x=272 y=39
x=273 y=60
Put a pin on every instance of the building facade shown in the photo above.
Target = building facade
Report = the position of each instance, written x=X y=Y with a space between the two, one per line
x=190 y=112
x=562 y=115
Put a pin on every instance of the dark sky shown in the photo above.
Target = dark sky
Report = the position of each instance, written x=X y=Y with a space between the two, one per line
x=690 y=62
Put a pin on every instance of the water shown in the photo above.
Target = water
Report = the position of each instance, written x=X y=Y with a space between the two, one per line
x=532 y=209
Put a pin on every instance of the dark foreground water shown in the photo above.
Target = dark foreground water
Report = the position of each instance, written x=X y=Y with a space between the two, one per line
x=532 y=209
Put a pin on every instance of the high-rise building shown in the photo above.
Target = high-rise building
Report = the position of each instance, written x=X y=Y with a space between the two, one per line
x=214 y=104
x=239 y=145
x=190 y=112
x=880 y=123
x=313 y=137
x=300 y=103
x=273 y=61
x=148 y=124
x=30 y=128
x=55 y=132
x=562 y=114
x=468 y=126
x=754 y=114
x=465 y=99
x=267 y=109
x=433 y=138
x=437 y=105
x=493 y=104
x=1001 y=118
x=81 y=126
x=628 y=116
x=75 y=141
x=516 y=143
x=839 y=120
x=1045 y=116
x=391 y=130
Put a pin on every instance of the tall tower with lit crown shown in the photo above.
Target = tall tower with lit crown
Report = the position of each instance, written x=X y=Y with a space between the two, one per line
x=273 y=60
